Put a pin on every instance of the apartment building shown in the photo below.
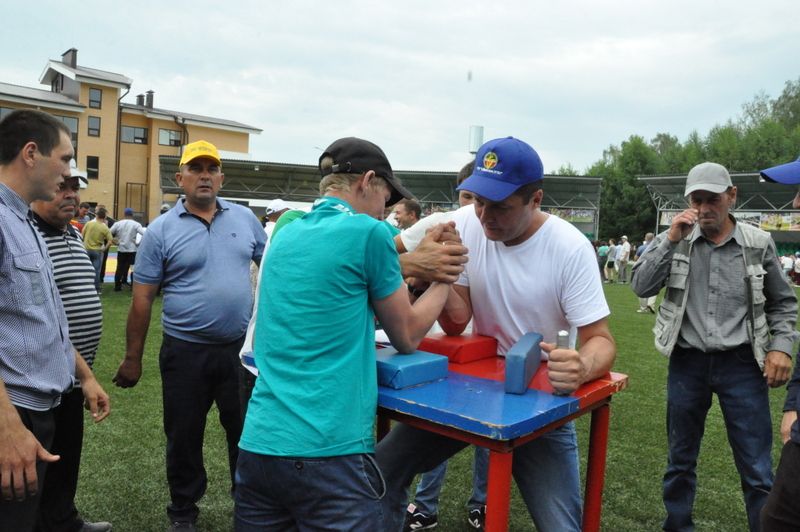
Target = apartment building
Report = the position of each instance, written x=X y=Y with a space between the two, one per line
x=117 y=143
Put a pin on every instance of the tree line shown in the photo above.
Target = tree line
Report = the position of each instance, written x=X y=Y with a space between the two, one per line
x=766 y=133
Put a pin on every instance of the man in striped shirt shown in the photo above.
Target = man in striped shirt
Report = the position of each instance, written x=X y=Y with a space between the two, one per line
x=75 y=279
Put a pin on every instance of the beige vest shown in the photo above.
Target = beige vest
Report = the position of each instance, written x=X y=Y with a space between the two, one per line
x=670 y=313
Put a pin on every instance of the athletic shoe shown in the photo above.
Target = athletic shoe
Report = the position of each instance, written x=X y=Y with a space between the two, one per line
x=419 y=521
x=640 y=311
x=651 y=309
x=477 y=517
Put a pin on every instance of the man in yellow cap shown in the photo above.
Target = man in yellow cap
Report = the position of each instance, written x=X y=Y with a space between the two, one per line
x=199 y=252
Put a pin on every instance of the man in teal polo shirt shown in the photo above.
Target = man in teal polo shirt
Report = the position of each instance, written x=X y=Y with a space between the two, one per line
x=306 y=459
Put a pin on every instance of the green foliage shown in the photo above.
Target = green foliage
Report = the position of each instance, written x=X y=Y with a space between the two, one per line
x=786 y=108
x=123 y=478
x=767 y=133
x=566 y=169
x=625 y=205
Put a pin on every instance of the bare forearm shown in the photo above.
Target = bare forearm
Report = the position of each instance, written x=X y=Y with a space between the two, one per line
x=136 y=332
x=8 y=412
x=82 y=370
x=425 y=311
x=455 y=315
x=598 y=355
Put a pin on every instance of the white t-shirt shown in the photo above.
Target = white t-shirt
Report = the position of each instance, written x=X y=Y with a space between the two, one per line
x=624 y=252
x=126 y=231
x=546 y=284
x=412 y=236
x=269 y=227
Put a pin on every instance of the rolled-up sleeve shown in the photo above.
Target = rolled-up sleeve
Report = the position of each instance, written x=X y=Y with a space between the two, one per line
x=780 y=306
x=650 y=272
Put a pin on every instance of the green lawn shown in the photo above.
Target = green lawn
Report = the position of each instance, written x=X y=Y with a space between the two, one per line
x=123 y=478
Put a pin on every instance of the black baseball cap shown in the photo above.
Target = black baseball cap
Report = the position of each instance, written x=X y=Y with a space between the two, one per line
x=352 y=155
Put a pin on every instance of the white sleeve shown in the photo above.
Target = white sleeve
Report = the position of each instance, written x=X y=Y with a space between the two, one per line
x=412 y=236
x=583 y=299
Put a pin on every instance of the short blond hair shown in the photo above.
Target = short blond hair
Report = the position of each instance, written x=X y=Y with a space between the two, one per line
x=342 y=182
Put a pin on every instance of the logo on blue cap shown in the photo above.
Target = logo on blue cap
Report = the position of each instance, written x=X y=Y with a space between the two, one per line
x=501 y=167
x=490 y=160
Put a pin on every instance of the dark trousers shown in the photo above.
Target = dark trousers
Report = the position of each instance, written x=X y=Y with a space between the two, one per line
x=124 y=261
x=781 y=513
x=193 y=377
x=20 y=516
x=734 y=376
x=57 y=512
x=247 y=381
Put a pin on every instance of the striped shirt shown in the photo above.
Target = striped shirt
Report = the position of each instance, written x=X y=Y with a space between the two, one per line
x=75 y=279
x=37 y=360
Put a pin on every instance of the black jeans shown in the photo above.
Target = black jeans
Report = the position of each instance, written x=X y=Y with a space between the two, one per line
x=57 y=512
x=781 y=513
x=247 y=381
x=124 y=261
x=21 y=515
x=193 y=377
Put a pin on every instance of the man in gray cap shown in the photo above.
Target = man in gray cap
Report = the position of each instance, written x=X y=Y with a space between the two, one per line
x=781 y=511
x=722 y=335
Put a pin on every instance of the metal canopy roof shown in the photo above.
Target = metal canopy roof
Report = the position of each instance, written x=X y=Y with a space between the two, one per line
x=298 y=182
x=753 y=194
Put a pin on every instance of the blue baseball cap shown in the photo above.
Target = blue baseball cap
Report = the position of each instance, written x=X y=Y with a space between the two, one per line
x=787 y=174
x=501 y=167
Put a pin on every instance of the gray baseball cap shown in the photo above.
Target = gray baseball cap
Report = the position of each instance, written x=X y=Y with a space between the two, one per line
x=712 y=177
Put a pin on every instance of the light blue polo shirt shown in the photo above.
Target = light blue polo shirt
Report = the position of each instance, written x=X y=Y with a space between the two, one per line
x=204 y=269
x=316 y=392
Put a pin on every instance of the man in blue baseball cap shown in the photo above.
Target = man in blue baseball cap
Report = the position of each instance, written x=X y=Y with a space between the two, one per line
x=527 y=271
x=786 y=174
x=781 y=512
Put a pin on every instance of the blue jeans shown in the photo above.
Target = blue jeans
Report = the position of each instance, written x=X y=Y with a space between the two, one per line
x=279 y=493
x=96 y=257
x=430 y=485
x=743 y=397
x=545 y=469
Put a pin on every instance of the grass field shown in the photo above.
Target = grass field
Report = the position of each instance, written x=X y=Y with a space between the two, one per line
x=123 y=478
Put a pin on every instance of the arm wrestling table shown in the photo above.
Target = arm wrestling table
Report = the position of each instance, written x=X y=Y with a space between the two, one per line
x=471 y=405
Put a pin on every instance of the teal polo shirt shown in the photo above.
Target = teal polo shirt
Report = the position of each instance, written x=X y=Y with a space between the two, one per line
x=316 y=392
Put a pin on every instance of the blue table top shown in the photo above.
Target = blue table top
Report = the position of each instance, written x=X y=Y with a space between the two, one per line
x=479 y=406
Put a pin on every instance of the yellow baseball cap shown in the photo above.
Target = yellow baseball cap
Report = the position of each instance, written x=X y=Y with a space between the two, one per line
x=199 y=148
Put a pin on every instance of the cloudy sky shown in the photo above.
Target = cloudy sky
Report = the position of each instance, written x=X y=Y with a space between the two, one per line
x=568 y=77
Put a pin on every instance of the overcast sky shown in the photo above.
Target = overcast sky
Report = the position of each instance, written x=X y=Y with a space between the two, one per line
x=570 y=77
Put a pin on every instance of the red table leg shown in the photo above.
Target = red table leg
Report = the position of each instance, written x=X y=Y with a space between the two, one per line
x=498 y=493
x=596 y=468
